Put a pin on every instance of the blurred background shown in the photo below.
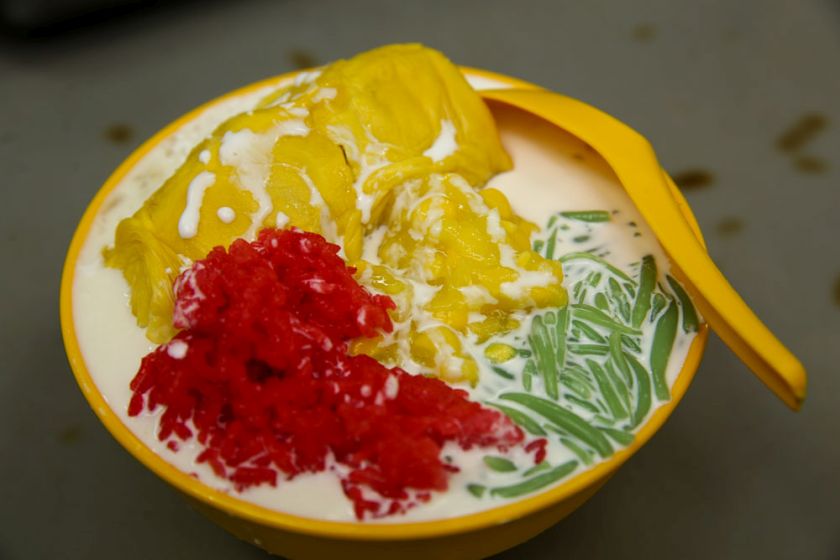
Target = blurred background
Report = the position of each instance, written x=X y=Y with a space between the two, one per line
x=741 y=100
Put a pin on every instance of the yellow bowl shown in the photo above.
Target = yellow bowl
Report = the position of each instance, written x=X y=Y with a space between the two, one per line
x=469 y=536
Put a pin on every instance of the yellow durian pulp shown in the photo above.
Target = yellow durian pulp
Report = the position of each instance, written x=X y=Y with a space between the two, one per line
x=383 y=154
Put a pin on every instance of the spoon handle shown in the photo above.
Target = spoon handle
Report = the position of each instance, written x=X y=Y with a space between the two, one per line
x=633 y=160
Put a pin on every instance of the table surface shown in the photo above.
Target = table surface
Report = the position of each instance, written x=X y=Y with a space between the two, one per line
x=714 y=85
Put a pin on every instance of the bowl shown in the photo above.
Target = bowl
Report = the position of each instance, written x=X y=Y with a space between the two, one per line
x=475 y=535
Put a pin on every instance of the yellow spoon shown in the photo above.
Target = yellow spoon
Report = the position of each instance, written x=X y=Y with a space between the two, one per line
x=632 y=159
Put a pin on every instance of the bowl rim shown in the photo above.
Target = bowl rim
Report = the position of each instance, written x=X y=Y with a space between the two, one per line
x=347 y=530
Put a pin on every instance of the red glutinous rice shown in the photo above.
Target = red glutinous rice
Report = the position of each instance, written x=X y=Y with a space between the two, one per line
x=260 y=374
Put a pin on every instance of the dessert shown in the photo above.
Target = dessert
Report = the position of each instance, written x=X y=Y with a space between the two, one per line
x=529 y=354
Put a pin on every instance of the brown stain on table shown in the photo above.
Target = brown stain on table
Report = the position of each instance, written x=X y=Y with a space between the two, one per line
x=693 y=179
x=645 y=32
x=802 y=132
x=729 y=226
x=70 y=435
x=302 y=58
x=797 y=137
x=836 y=291
x=118 y=133
x=811 y=165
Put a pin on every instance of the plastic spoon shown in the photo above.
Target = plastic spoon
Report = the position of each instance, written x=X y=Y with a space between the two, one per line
x=632 y=159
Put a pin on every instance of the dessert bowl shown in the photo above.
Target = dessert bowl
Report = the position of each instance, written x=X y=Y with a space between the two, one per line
x=473 y=535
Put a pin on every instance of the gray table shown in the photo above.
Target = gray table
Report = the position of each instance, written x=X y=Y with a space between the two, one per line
x=713 y=84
